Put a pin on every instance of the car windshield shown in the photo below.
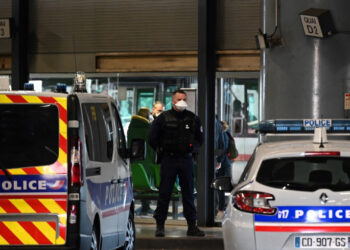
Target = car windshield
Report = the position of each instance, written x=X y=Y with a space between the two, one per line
x=28 y=135
x=306 y=173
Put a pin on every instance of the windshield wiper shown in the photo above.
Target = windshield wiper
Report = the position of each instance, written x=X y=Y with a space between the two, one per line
x=7 y=174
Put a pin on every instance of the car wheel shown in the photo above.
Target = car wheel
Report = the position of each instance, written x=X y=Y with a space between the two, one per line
x=95 y=239
x=130 y=233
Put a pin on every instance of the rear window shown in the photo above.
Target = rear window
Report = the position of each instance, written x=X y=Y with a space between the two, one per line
x=28 y=135
x=306 y=174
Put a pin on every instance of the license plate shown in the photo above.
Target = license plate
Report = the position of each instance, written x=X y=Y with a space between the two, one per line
x=314 y=241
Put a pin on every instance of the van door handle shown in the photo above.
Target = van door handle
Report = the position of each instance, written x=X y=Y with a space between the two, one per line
x=114 y=181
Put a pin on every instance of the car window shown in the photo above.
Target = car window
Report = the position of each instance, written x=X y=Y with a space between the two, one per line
x=98 y=131
x=121 y=142
x=29 y=135
x=306 y=173
x=247 y=168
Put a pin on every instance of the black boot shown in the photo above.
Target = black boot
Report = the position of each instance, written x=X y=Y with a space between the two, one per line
x=193 y=230
x=160 y=230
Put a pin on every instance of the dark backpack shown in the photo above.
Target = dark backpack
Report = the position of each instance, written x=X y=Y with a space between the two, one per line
x=232 y=152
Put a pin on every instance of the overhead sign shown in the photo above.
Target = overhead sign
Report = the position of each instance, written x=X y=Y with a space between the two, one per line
x=311 y=26
x=317 y=23
x=5 y=28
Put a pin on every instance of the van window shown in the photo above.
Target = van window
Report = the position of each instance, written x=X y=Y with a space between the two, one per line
x=306 y=173
x=29 y=135
x=99 y=131
x=121 y=142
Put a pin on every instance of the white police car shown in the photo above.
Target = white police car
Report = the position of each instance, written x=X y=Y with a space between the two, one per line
x=293 y=194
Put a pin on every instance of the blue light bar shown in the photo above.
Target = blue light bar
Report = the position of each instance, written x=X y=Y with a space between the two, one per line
x=303 y=126
x=28 y=86
x=61 y=88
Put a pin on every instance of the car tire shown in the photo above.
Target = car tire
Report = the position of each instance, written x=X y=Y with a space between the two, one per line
x=130 y=234
x=95 y=238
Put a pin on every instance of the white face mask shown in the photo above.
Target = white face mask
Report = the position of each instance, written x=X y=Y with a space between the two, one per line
x=181 y=105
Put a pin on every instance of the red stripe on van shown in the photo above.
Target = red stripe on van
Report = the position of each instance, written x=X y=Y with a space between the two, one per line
x=8 y=235
x=8 y=206
x=63 y=143
x=62 y=110
x=39 y=207
x=62 y=204
x=37 y=235
x=17 y=98
x=34 y=196
x=31 y=171
x=62 y=231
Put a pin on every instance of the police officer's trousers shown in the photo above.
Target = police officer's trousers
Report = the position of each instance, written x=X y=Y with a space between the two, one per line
x=172 y=166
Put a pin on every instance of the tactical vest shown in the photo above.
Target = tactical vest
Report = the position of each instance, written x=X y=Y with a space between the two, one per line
x=178 y=134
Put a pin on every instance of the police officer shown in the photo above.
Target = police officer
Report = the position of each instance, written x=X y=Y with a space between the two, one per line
x=176 y=135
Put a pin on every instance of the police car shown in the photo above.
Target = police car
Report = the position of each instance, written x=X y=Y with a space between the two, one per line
x=65 y=181
x=293 y=193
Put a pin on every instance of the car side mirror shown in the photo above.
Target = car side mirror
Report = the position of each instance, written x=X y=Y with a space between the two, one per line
x=137 y=150
x=222 y=183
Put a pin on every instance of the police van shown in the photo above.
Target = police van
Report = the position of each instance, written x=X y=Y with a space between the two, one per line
x=65 y=180
x=294 y=192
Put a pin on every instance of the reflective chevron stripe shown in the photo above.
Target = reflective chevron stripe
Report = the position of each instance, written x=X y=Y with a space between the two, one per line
x=30 y=207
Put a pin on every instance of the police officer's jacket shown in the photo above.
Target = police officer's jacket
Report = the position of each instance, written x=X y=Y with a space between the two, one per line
x=176 y=133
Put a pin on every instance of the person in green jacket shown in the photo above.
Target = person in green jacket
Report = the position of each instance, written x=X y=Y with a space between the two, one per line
x=138 y=129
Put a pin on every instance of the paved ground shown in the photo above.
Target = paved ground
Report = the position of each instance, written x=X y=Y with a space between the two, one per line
x=175 y=236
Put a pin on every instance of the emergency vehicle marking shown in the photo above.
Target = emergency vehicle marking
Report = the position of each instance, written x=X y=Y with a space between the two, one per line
x=107 y=196
x=318 y=123
x=35 y=190
x=305 y=218
x=33 y=184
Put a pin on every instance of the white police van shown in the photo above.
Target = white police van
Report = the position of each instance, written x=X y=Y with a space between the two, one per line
x=293 y=193
x=65 y=181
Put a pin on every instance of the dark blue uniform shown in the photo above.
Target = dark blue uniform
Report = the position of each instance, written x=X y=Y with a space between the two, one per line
x=177 y=136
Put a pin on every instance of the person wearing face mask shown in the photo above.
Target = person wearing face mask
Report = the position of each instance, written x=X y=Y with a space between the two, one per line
x=157 y=109
x=177 y=135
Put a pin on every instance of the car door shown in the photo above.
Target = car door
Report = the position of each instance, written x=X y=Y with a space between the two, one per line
x=101 y=175
x=124 y=185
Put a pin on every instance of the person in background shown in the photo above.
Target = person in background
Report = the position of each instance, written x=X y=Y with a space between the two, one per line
x=138 y=129
x=219 y=142
x=158 y=108
x=176 y=134
x=223 y=168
